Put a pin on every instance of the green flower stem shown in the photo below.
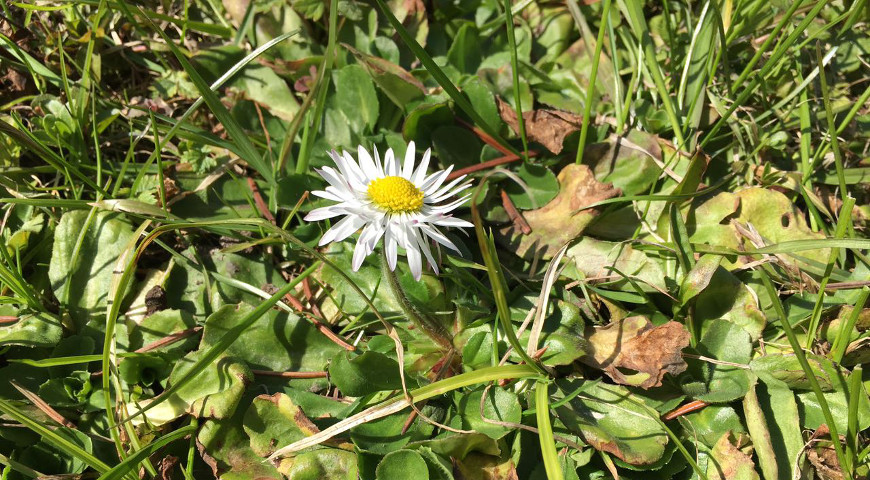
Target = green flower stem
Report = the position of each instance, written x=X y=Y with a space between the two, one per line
x=430 y=326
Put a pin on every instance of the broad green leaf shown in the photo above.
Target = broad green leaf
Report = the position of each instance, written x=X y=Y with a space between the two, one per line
x=711 y=422
x=456 y=146
x=80 y=278
x=464 y=52
x=277 y=341
x=71 y=391
x=699 y=277
x=500 y=405
x=256 y=82
x=540 y=187
x=786 y=369
x=356 y=97
x=402 y=464
x=49 y=460
x=394 y=81
x=424 y=120
x=771 y=213
x=159 y=325
x=358 y=375
x=610 y=419
x=726 y=342
x=32 y=330
x=481 y=98
x=274 y=420
x=596 y=258
x=321 y=465
x=728 y=298
x=226 y=448
x=213 y=393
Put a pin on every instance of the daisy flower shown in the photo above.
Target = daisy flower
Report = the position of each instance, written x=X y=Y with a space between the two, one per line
x=389 y=199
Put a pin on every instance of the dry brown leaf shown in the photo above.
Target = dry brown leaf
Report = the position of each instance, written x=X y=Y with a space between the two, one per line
x=547 y=127
x=555 y=224
x=635 y=344
x=732 y=461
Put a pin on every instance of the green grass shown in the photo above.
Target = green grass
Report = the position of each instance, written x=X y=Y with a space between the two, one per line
x=703 y=172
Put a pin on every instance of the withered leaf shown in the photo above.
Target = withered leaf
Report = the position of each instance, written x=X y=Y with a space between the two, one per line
x=547 y=127
x=731 y=461
x=635 y=344
x=555 y=224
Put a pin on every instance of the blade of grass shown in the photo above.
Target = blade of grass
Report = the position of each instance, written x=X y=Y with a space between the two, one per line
x=593 y=77
x=545 y=432
x=856 y=391
x=832 y=130
x=758 y=76
x=637 y=20
x=808 y=371
x=843 y=223
x=842 y=340
x=322 y=87
x=235 y=131
x=512 y=46
x=64 y=445
x=400 y=402
x=441 y=77
x=128 y=466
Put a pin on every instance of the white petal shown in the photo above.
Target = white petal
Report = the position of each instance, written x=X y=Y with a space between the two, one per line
x=414 y=260
x=391 y=247
x=391 y=165
x=364 y=174
x=449 y=206
x=408 y=167
x=448 y=190
x=323 y=213
x=360 y=251
x=343 y=229
x=424 y=246
x=448 y=221
x=349 y=169
x=420 y=173
x=336 y=180
x=367 y=164
x=330 y=194
x=436 y=235
x=436 y=180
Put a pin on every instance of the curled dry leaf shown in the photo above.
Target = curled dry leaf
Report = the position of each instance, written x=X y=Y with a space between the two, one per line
x=635 y=344
x=555 y=223
x=547 y=127
x=732 y=461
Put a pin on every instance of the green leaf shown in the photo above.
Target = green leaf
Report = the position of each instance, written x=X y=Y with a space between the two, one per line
x=276 y=341
x=401 y=465
x=464 y=52
x=394 y=81
x=610 y=419
x=274 y=420
x=321 y=465
x=32 y=330
x=364 y=374
x=424 y=120
x=70 y=391
x=726 y=342
x=214 y=392
x=786 y=369
x=226 y=448
x=541 y=187
x=728 y=298
x=356 y=97
x=81 y=273
x=500 y=405
x=49 y=459
x=699 y=277
x=456 y=146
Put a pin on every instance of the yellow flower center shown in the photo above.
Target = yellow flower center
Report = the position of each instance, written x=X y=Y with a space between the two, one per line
x=396 y=195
